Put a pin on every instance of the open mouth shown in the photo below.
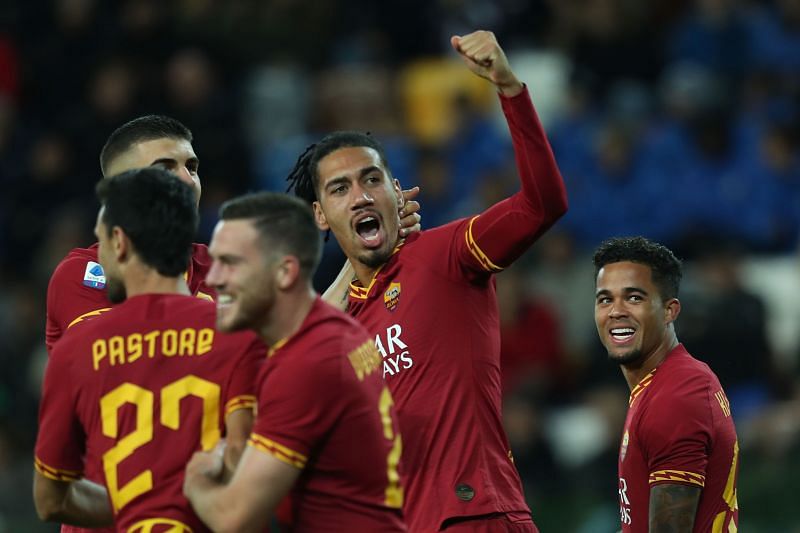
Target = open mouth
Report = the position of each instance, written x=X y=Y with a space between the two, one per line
x=368 y=229
x=622 y=335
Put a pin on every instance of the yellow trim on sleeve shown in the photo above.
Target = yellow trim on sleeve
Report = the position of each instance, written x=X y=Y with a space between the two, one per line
x=677 y=475
x=245 y=401
x=90 y=314
x=279 y=451
x=476 y=251
x=56 y=474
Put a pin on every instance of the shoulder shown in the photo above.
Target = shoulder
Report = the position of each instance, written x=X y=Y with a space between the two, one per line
x=681 y=388
x=327 y=336
x=78 y=264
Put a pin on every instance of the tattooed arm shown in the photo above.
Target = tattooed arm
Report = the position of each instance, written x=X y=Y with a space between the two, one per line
x=673 y=508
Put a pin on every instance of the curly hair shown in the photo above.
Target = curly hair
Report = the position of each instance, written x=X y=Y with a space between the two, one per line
x=666 y=269
x=303 y=179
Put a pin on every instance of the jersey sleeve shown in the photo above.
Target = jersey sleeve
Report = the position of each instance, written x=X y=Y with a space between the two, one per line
x=676 y=435
x=60 y=442
x=242 y=384
x=497 y=237
x=297 y=405
x=69 y=301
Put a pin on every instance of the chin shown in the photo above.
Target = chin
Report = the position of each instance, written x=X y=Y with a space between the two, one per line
x=625 y=358
x=376 y=258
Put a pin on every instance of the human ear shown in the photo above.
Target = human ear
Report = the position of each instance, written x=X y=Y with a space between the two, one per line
x=319 y=216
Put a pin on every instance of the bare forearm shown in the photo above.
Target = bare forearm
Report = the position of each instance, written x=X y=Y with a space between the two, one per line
x=209 y=500
x=81 y=503
x=673 y=508
x=336 y=294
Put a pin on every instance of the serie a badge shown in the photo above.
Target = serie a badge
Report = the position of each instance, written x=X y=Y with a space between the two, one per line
x=392 y=296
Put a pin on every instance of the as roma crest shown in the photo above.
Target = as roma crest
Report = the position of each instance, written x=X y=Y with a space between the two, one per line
x=392 y=296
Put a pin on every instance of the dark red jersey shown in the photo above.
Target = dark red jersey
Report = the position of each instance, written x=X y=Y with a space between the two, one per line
x=324 y=408
x=77 y=288
x=137 y=391
x=432 y=311
x=679 y=430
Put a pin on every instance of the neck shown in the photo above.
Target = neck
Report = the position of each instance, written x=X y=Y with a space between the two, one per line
x=146 y=280
x=287 y=314
x=636 y=371
x=364 y=273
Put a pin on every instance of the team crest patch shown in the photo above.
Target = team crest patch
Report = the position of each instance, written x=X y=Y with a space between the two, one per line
x=623 y=450
x=392 y=296
x=94 y=276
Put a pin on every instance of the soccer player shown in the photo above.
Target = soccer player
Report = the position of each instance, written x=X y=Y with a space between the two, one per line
x=678 y=461
x=429 y=302
x=76 y=289
x=142 y=386
x=325 y=427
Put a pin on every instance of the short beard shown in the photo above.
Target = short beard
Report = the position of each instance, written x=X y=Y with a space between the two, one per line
x=627 y=358
x=375 y=258
x=115 y=291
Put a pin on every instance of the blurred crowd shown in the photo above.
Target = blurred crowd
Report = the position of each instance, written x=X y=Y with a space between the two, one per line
x=675 y=119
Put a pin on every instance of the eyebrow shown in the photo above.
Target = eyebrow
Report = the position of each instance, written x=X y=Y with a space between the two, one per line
x=361 y=173
x=625 y=290
x=172 y=160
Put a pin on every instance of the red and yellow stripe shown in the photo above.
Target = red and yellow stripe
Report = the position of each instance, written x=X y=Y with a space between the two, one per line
x=245 y=401
x=637 y=390
x=90 y=314
x=279 y=451
x=476 y=251
x=56 y=473
x=677 y=475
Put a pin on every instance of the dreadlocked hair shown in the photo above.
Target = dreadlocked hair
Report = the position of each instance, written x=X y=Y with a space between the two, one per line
x=304 y=176
x=300 y=179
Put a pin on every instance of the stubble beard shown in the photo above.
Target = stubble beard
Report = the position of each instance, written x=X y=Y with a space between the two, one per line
x=115 y=291
x=626 y=358
x=376 y=258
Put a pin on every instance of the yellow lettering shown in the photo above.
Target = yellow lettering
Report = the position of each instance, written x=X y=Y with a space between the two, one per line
x=365 y=360
x=187 y=341
x=99 y=352
x=169 y=342
x=116 y=350
x=134 y=347
x=205 y=339
x=150 y=338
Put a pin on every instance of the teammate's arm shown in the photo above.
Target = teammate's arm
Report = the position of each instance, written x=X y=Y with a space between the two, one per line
x=504 y=231
x=238 y=425
x=673 y=507
x=79 y=503
x=336 y=294
x=248 y=501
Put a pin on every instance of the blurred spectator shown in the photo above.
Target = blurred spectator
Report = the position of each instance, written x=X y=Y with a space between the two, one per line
x=531 y=352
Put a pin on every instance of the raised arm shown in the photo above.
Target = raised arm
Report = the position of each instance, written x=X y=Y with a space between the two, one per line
x=673 y=507
x=504 y=231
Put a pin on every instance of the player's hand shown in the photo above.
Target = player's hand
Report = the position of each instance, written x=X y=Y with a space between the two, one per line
x=203 y=466
x=409 y=216
x=483 y=55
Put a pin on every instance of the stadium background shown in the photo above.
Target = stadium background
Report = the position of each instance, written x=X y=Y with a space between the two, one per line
x=676 y=119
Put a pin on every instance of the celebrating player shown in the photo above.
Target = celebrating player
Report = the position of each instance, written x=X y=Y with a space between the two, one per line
x=138 y=389
x=429 y=302
x=678 y=461
x=76 y=291
x=325 y=427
